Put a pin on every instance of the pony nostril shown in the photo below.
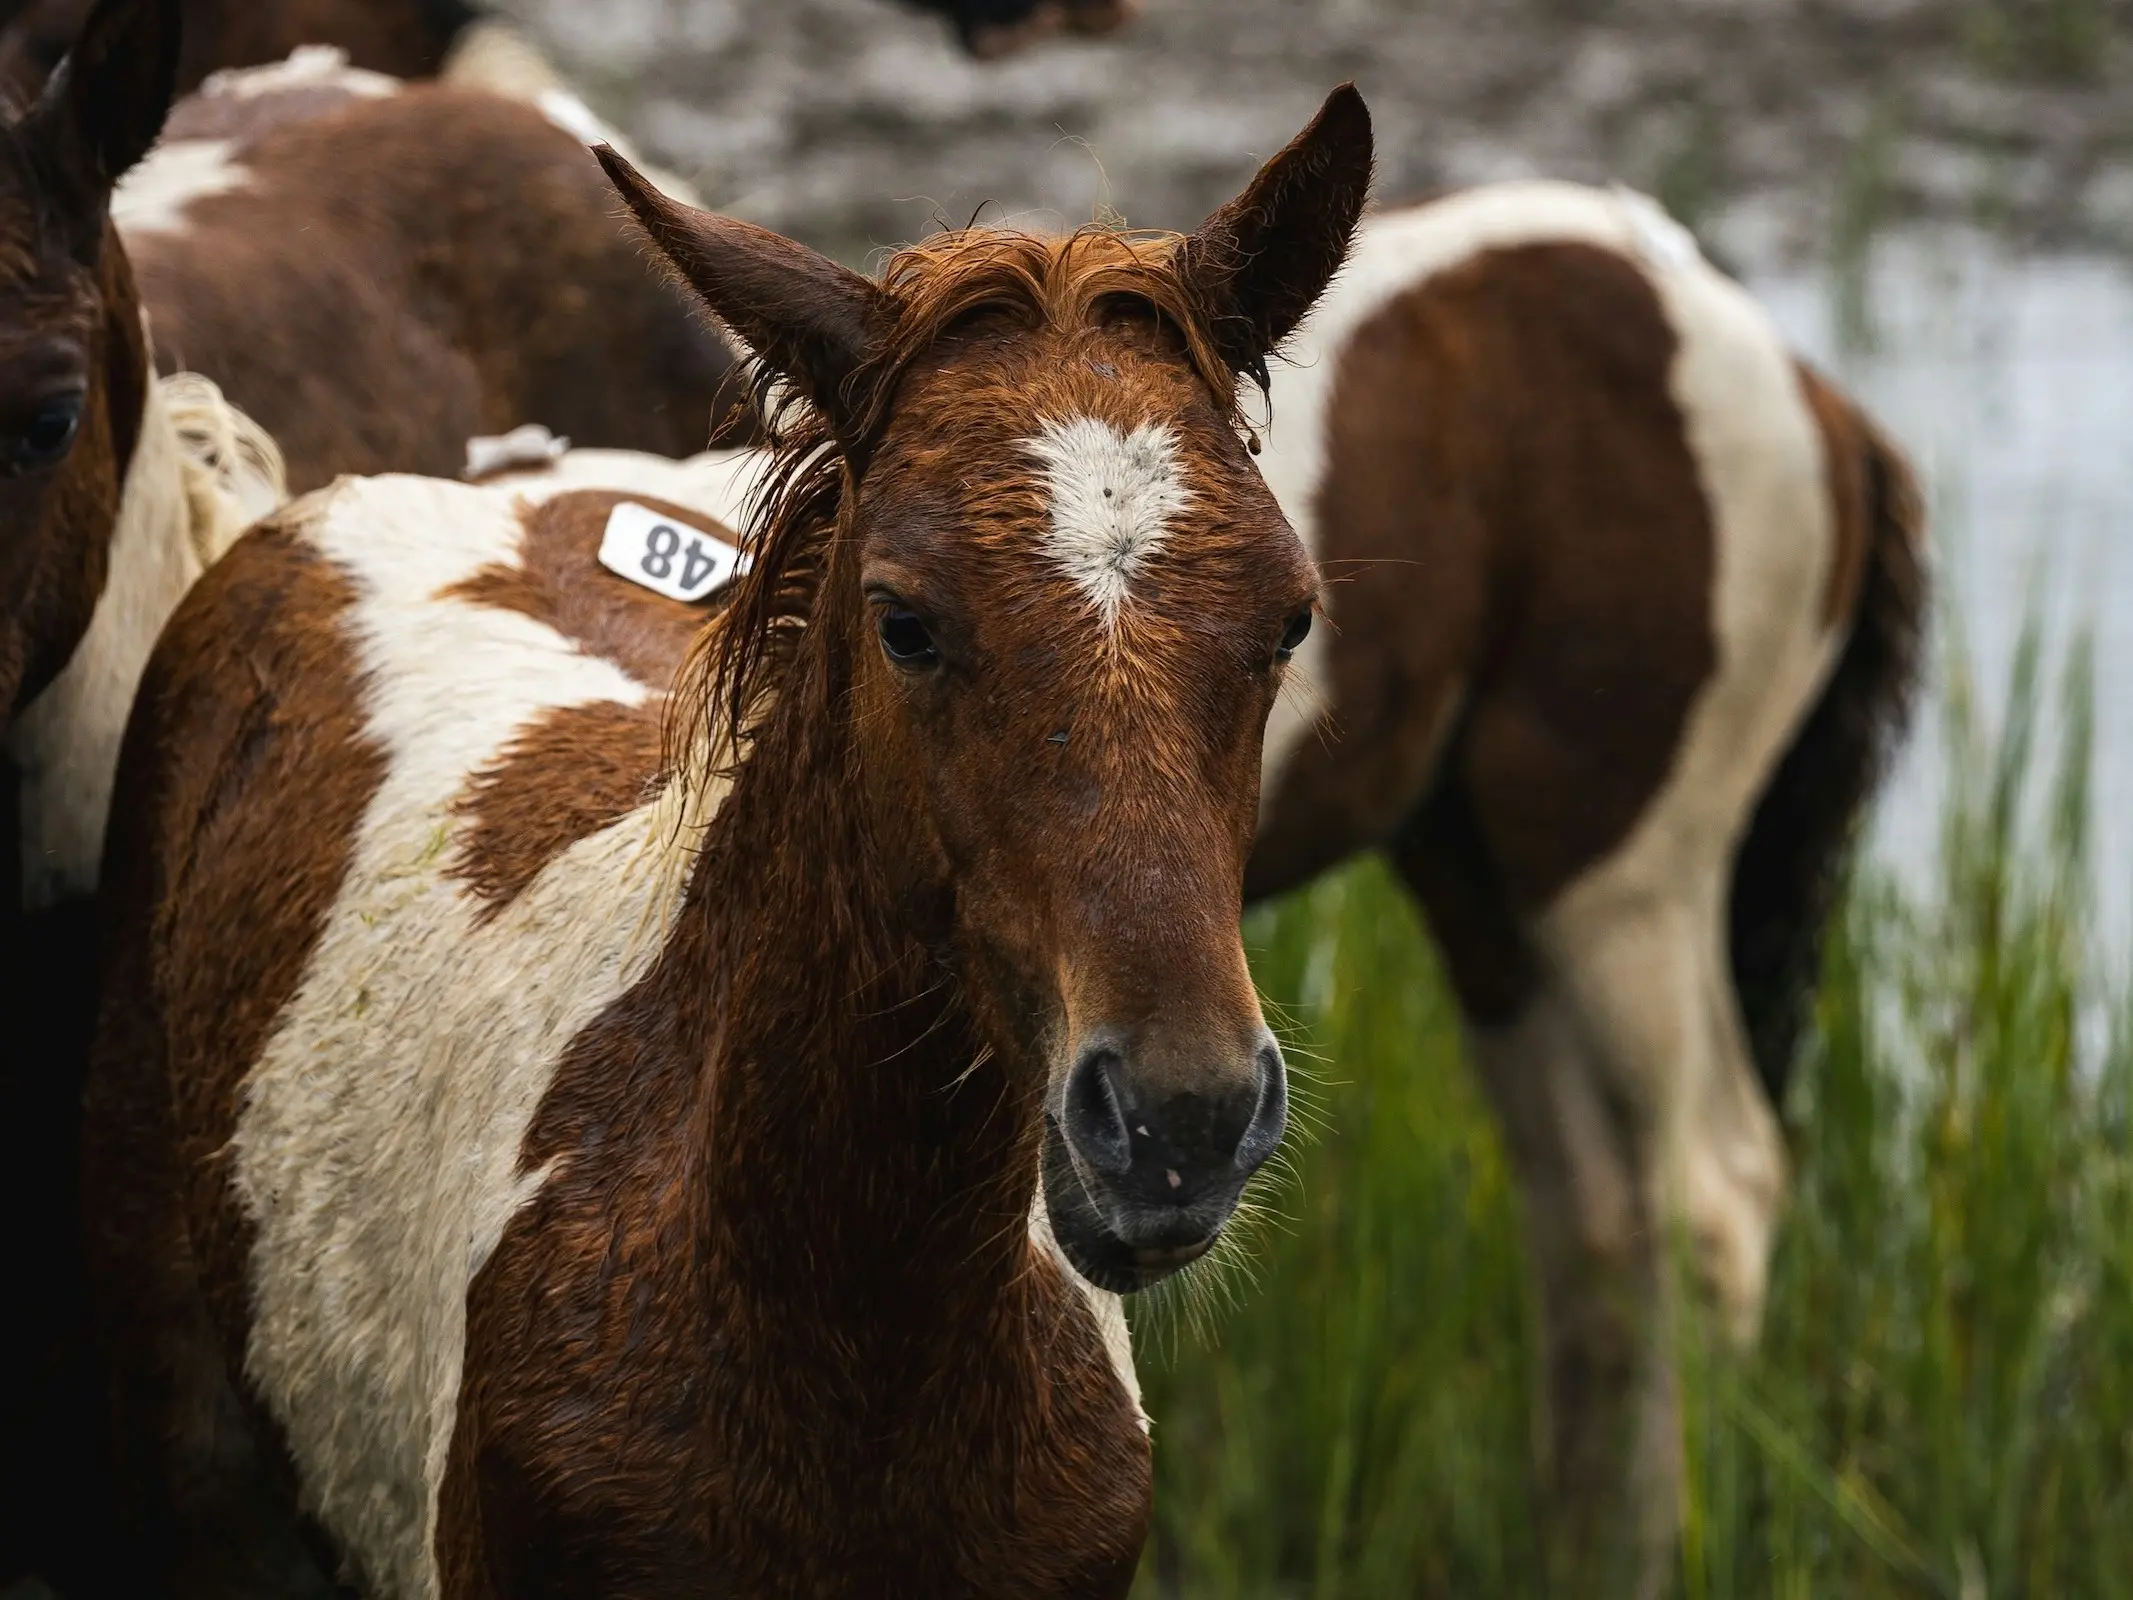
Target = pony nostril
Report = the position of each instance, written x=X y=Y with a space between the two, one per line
x=1095 y=1120
x=1270 y=1117
x=1177 y=1154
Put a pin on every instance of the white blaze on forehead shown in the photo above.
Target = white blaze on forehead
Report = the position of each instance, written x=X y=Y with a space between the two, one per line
x=1114 y=496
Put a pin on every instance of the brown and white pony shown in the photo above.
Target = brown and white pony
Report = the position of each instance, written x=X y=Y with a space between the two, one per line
x=372 y=272
x=375 y=273
x=1622 y=605
x=437 y=38
x=545 y=1167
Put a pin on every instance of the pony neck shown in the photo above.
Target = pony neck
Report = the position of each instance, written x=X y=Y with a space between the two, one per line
x=869 y=1153
x=199 y=472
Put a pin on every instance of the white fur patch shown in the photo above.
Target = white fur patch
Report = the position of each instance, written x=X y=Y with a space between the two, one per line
x=1108 y=1309
x=721 y=483
x=200 y=471
x=1396 y=252
x=1113 y=498
x=378 y=1146
x=309 y=66
x=233 y=468
x=66 y=741
x=155 y=196
x=1640 y=939
x=529 y=446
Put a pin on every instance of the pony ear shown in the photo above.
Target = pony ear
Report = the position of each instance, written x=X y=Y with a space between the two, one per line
x=1258 y=264
x=104 y=106
x=810 y=320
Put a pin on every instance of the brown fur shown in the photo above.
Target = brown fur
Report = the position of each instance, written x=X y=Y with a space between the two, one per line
x=1562 y=552
x=1846 y=437
x=560 y=581
x=171 y=1251
x=773 y=1323
x=950 y=279
x=65 y=315
x=601 y=759
x=245 y=118
x=400 y=274
x=581 y=769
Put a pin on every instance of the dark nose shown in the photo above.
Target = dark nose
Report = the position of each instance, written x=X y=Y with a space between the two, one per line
x=1172 y=1164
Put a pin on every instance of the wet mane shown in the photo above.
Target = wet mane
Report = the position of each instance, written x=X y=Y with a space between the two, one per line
x=1055 y=283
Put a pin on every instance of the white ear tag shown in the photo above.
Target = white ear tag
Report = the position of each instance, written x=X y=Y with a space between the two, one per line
x=665 y=556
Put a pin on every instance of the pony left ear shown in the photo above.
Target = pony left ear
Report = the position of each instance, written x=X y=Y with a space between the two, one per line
x=810 y=320
x=104 y=106
x=1261 y=262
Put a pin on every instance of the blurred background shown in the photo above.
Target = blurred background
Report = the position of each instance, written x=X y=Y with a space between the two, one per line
x=1935 y=199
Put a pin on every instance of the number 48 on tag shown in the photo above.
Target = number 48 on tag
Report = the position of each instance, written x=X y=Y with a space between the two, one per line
x=666 y=556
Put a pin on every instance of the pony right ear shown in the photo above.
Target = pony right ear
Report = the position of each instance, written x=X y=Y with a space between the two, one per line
x=810 y=320
x=104 y=106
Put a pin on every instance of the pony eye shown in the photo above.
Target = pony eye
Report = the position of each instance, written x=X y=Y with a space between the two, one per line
x=905 y=641
x=45 y=437
x=1298 y=630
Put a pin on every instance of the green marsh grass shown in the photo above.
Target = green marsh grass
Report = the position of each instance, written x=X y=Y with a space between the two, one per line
x=1942 y=1403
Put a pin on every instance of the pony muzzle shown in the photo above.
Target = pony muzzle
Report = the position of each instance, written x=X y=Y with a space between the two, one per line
x=1160 y=1158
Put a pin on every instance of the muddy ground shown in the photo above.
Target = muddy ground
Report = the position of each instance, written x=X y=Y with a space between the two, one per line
x=1782 y=127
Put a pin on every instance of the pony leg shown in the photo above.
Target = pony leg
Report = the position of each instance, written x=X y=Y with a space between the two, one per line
x=1607 y=1036
x=1628 y=1092
x=1645 y=973
x=1610 y=1433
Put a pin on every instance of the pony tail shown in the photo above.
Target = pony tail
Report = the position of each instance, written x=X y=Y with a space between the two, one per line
x=1788 y=872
